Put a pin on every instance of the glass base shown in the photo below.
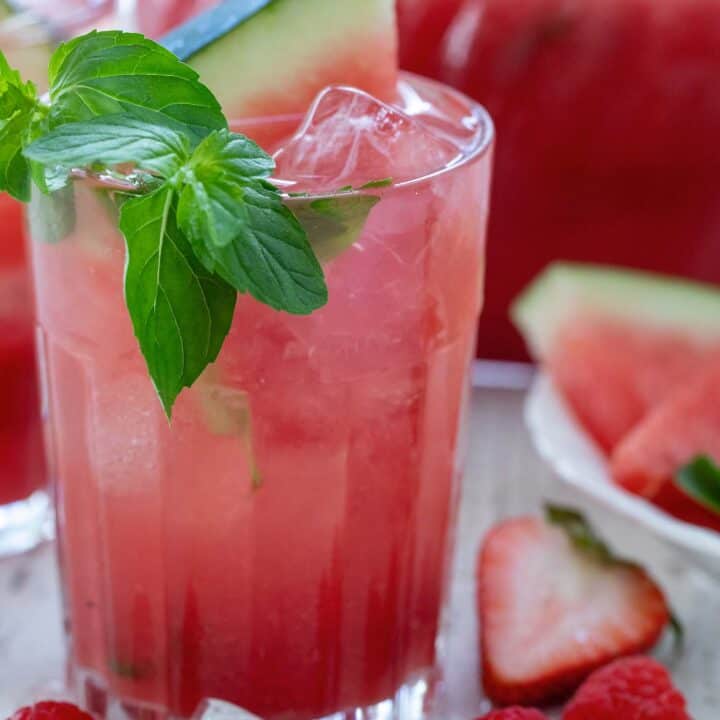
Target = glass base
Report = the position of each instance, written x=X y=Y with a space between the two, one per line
x=25 y=524
x=411 y=702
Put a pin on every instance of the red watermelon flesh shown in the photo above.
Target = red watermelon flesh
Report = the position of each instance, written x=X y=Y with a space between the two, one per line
x=684 y=425
x=613 y=373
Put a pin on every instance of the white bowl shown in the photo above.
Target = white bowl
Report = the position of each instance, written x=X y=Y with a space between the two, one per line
x=573 y=455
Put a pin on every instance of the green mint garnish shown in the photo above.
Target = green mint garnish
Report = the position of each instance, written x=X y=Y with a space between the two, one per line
x=20 y=114
x=106 y=73
x=153 y=142
x=385 y=182
x=334 y=223
x=200 y=218
x=180 y=311
x=700 y=479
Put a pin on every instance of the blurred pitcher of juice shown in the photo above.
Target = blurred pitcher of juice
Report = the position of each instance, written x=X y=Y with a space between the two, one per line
x=27 y=36
x=608 y=117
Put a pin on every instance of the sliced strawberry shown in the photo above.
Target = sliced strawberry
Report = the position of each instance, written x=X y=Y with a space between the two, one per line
x=551 y=614
x=686 y=424
x=50 y=710
x=636 y=688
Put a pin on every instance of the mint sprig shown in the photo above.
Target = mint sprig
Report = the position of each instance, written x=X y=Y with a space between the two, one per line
x=199 y=216
x=146 y=138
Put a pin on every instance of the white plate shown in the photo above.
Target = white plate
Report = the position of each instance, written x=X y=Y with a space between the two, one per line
x=572 y=454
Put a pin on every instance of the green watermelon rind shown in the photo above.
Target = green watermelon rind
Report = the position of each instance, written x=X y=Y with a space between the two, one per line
x=568 y=291
x=243 y=51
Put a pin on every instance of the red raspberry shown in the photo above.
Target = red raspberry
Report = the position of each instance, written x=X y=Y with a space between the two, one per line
x=637 y=688
x=51 y=711
x=514 y=713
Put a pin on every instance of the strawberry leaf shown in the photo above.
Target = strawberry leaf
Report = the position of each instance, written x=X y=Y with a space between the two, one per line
x=584 y=538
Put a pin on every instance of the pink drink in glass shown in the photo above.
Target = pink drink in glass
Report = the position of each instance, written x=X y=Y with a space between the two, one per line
x=283 y=545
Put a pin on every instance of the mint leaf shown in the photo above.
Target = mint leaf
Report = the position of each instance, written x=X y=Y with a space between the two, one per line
x=143 y=138
x=239 y=227
x=207 y=211
x=700 y=480
x=232 y=156
x=19 y=110
x=384 y=182
x=269 y=255
x=110 y=72
x=181 y=312
x=334 y=223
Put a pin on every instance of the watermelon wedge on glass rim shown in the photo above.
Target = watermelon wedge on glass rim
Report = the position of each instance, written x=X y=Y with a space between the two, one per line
x=281 y=543
x=636 y=357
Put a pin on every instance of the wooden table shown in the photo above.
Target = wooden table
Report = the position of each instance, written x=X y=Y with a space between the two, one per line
x=504 y=477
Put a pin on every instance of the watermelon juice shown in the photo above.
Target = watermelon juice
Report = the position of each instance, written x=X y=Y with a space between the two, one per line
x=283 y=545
x=607 y=115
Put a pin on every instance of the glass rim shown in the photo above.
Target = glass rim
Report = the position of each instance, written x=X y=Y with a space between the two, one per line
x=480 y=144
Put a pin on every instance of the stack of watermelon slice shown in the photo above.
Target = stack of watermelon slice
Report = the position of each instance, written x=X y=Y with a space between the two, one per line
x=637 y=358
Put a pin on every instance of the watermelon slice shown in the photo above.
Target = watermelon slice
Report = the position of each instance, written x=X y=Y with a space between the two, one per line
x=618 y=342
x=272 y=57
x=684 y=426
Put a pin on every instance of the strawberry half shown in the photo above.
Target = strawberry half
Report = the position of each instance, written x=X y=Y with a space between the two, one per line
x=555 y=605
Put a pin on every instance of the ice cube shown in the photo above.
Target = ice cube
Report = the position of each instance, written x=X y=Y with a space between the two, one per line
x=350 y=138
x=221 y=710
x=444 y=113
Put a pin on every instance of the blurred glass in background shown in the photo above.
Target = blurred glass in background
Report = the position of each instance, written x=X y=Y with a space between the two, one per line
x=28 y=32
x=159 y=16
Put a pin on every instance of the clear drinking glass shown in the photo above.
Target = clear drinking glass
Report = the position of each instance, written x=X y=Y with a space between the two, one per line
x=26 y=38
x=283 y=545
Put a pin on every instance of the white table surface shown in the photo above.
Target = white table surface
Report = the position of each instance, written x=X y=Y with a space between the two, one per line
x=504 y=477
